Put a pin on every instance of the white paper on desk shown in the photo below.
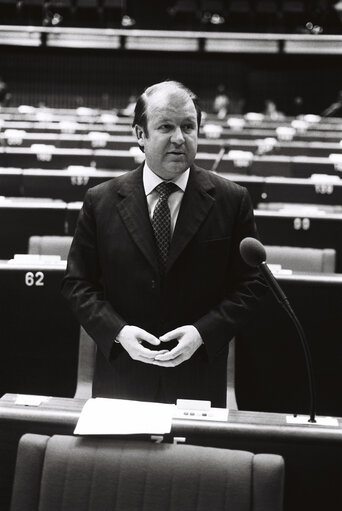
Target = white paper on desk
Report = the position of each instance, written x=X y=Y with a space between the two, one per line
x=102 y=416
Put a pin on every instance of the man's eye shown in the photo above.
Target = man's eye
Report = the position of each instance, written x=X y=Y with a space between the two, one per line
x=188 y=127
x=165 y=127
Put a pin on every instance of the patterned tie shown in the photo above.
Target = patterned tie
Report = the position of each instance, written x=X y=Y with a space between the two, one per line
x=161 y=221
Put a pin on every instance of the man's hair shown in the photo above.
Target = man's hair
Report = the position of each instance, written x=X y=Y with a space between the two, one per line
x=140 y=116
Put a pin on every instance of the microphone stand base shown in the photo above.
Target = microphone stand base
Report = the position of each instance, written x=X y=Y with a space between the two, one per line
x=305 y=419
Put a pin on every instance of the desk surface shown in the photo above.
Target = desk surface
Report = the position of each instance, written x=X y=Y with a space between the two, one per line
x=65 y=412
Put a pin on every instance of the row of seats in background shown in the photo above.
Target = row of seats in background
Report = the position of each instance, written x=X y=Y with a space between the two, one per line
x=84 y=119
x=295 y=212
x=72 y=183
x=279 y=184
x=224 y=15
x=252 y=143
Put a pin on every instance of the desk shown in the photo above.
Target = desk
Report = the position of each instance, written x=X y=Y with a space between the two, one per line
x=313 y=454
x=39 y=334
x=66 y=126
x=103 y=116
x=324 y=190
x=270 y=366
x=275 y=147
x=330 y=133
x=71 y=185
x=10 y=182
x=270 y=165
x=20 y=218
x=67 y=185
x=101 y=139
x=301 y=228
x=270 y=370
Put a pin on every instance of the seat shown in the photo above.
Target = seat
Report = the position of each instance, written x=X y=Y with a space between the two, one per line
x=302 y=259
x=266 y=6
x=186 y=6
x=108 y=474
x=267 y=14
x=57 y=12
x=50 y=245
x=240 y=15
x=294 y=6
x=295 y=13
x=240 y=6
x=185 y=13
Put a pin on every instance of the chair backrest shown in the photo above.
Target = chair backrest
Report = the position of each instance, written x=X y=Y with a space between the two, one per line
x=302 y=259
x=239 y=6
x=231 y=395
x=86 y=366
x=90 y=474
x=50 y=245
x=266 y=6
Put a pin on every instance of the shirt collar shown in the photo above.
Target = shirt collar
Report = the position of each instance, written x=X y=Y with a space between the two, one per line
x=151 y=180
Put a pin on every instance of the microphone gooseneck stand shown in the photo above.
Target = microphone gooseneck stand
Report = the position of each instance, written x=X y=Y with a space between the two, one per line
x=219 y=157
x=284 y=302
x=254 y=254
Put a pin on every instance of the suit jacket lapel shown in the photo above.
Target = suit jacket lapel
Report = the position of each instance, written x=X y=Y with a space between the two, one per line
x=195 y=206
x=134 y=213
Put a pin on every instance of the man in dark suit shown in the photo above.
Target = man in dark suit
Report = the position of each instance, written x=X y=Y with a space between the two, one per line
x=154 y=272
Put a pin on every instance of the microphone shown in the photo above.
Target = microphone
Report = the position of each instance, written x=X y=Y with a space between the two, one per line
x=219 y=157
x=254 y=254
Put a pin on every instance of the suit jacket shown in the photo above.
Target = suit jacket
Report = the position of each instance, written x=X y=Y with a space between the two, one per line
x=112 y=279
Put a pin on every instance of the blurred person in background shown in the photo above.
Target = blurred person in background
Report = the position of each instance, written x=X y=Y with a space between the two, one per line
x=221 y=102
x=5 y=94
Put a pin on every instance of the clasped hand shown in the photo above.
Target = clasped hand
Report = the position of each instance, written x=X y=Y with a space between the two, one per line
x=188 y=338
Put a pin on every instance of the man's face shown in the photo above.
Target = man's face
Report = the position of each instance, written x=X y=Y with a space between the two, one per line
x=171 y=144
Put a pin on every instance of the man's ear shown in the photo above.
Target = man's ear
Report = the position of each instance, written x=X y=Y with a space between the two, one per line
x=139 y=133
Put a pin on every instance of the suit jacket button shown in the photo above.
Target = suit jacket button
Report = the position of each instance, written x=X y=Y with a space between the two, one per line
x=153 y=284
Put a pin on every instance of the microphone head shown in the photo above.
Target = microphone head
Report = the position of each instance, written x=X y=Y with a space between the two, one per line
x=252 y=251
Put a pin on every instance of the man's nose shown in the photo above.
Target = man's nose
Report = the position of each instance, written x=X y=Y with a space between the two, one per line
x=177 y=136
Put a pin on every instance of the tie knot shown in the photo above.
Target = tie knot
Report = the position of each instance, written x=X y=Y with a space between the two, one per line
x=165 y=189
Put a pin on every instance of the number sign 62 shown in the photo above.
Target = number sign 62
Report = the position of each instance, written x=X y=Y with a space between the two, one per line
x=34 y=279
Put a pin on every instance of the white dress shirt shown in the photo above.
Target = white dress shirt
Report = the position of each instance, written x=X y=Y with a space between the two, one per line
x=151 y=180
